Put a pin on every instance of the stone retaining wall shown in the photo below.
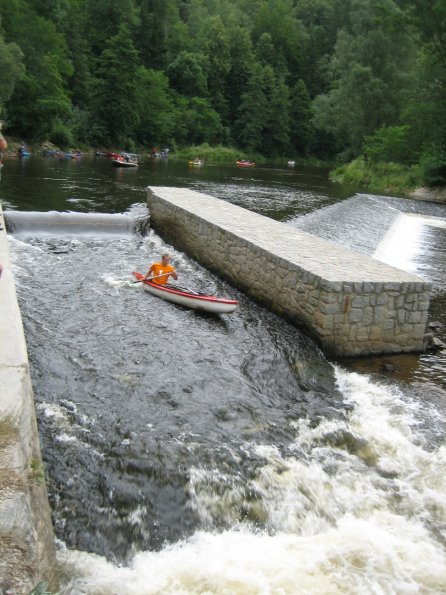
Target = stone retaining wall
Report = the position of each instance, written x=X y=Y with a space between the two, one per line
x=350 y=303
x=26 y=537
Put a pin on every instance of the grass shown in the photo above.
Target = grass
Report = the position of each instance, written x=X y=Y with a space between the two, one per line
x=220 y=155
x=37 y=472
x=379 y=177
x=7 y=432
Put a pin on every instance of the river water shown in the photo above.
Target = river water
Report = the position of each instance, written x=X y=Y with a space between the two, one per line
x=188 y=453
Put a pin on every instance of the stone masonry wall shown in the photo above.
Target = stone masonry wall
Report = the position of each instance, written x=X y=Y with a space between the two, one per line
x=350 y=303
x=27 y=553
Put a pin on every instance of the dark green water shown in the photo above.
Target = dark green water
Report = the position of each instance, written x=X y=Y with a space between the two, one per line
x=37 y=184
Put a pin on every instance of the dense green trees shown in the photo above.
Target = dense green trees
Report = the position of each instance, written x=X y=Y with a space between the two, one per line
x=325 y=78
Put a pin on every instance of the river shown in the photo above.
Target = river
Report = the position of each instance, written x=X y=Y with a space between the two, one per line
x=187 y=453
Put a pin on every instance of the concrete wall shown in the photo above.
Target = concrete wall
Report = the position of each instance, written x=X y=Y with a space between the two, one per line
x=26 y=537
x=350 y=303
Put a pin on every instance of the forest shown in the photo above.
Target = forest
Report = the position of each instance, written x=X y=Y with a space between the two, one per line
x=336 y=80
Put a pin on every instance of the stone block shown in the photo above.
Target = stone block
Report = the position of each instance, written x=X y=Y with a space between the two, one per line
x=392 y=287
x=355 y=315
x=402 y=316
x=329 y=308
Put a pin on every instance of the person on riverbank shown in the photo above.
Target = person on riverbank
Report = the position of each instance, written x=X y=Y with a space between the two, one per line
x=160 y=271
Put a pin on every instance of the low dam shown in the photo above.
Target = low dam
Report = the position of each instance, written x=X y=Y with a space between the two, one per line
x=26 y=537
x=350 y=303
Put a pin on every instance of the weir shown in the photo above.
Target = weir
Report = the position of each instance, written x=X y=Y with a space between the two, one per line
x=26 y=537
x=350 y=303
x=55 y=223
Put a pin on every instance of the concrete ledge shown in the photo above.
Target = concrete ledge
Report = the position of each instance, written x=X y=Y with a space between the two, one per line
x=350 y=303
x=26 y=537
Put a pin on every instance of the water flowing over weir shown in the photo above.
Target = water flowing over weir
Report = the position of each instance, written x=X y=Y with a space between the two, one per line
x=54 y=223
x=221 y=454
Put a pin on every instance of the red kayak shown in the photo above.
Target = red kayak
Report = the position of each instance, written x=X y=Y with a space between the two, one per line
x=188 y=297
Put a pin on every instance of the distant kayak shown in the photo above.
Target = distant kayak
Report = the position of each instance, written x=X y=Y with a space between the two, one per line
x=123 y=163
x=196 y=163
x=245 y=163
x=188 y=297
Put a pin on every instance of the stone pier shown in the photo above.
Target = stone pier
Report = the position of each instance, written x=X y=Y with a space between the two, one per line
x=350 y=303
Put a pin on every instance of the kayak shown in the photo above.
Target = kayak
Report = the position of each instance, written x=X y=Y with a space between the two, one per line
x=245 y=163
x=122 y=163
x=188 y=297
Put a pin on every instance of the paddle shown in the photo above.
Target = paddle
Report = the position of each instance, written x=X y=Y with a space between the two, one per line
x=148 y=279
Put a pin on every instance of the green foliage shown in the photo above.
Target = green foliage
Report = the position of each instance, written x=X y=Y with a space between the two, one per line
x=433 y=165
x=187 y=74
x=155 y=108
x=217 y=51
x=389 y=143
x=301 y=115
x=197 y=122
x=40 y=96
x=115 y=88
x=11 y=67
x=241 y=60
x=216 y=155
x=253 y=111
x=364 y=94
x=61 y=135
x=380 y=177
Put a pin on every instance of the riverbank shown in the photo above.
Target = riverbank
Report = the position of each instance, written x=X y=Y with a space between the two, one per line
x=387 y=178
x=215 y=155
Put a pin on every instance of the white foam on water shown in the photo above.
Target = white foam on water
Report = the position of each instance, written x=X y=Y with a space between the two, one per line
x=55 y=413
x=357 y=557
x=118 y=281
x=351 y=506
x=405 y=239
x=64 y=437
x=402 y=242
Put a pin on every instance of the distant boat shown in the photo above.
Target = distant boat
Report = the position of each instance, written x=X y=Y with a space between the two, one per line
x=196 y=162
x=291 y=163
x=61 y=154
x=23 y=152
x=122 y=162
x=245 y=163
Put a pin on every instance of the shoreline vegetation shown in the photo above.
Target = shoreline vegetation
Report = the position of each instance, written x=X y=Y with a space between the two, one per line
x=388 y=178
x=379 y=177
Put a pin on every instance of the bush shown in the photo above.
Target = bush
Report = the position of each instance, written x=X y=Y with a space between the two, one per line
x=389 y=143
x=380 y=177
x=433 y=166
x=217 y=155
x=61 y=135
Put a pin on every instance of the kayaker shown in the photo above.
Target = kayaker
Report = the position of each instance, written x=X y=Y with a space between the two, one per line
x=161 y=271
